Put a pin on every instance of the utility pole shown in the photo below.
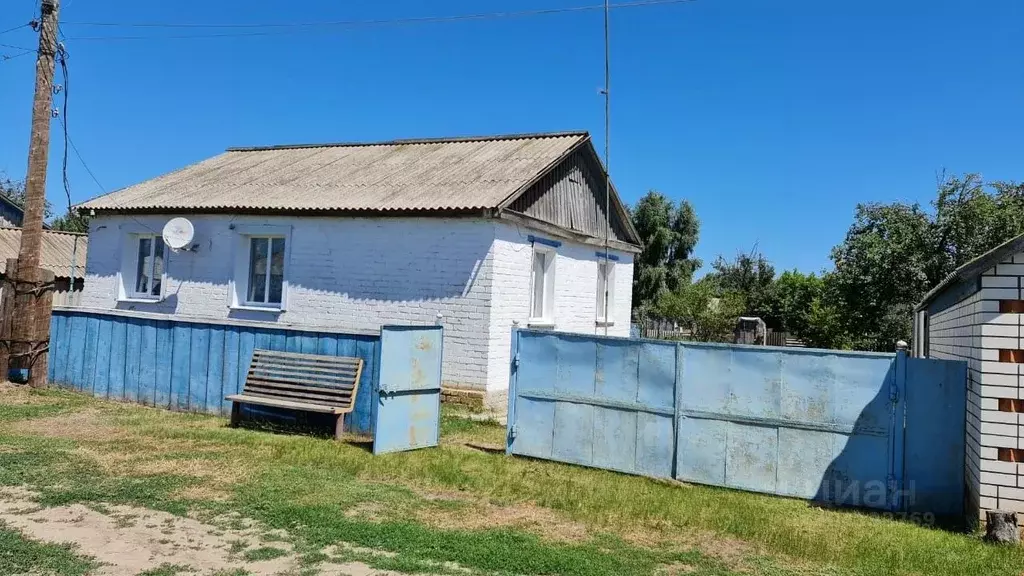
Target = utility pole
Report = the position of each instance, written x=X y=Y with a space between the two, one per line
x=31 y=291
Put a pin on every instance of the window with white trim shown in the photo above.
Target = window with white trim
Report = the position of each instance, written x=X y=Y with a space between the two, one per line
x=150 y=253
x=265 y=278
x=542 y=286
x=605 y=290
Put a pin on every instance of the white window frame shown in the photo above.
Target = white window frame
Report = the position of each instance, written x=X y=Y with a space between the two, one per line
x=240 y=284
x=127 y=275
x=547 y=318
x=605 y=281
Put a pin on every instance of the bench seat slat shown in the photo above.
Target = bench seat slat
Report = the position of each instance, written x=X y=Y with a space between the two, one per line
x=299 y=397
x=263 y=401
x=343 y=396
x=315 y=387
x=309 y=379
x=275 y=366
x=299 y=357
x=281 y=379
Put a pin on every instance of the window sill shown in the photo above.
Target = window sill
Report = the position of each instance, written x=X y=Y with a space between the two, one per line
x=603 y=324
x=542 y=324
x=139 y=299
x=254 y=308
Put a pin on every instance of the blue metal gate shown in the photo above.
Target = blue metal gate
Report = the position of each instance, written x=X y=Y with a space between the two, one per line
x=409 y=398
x=815 y=424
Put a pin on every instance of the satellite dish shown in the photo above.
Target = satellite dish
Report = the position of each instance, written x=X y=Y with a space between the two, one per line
x=178 y=233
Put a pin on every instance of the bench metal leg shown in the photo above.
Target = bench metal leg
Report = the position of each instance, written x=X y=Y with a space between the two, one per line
x=339 y=425
x=236 y=413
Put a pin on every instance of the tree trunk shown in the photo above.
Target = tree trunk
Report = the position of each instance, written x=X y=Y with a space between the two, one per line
x=1001 y=527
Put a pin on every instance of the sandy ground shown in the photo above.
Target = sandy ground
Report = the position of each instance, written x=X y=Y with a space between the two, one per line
x=129 y=540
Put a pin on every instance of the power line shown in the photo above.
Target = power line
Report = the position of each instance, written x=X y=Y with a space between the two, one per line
x=12 y=46
x=288 y=28
x=18 y=27
x=5 y=57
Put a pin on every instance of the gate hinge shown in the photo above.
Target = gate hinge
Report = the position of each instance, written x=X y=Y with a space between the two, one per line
x=512 y=431
x=515 y=361
x=893 y=496
x=893 y=392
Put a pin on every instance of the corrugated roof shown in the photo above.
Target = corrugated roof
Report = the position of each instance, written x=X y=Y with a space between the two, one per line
x=56 y=253
x=402 y=175
x=974 y=268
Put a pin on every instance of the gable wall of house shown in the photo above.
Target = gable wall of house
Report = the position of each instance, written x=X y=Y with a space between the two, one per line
x=974 y=330
x=575 y=293
x=350 y=274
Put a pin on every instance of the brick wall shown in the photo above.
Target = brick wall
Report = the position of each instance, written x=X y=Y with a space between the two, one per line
x=358 y=273
x=974 y=330
x=575 y=301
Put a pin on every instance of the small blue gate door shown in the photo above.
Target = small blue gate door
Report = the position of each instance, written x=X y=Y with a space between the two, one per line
x=409 y=396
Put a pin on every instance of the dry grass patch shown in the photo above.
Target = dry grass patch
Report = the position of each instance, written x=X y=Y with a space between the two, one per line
x=21 y=395
x=529 y=517
x=82 y=426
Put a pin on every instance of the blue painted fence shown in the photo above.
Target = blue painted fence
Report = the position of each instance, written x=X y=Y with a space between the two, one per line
x=815 y=424
x=191 y=366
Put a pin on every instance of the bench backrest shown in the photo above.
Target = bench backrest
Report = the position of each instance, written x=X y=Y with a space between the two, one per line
x=308 y=378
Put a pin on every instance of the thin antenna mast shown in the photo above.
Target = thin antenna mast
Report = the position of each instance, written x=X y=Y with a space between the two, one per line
x=607 y=167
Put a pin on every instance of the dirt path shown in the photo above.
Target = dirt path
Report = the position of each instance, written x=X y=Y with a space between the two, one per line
x=129 y=540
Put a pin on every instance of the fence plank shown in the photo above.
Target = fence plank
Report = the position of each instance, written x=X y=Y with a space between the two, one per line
x=199 y=365
x=215 y=371
x=231 y=384
x=92 y=328
x=132 y=360
x=164 y=355
x=118 y=350
x=101 y=377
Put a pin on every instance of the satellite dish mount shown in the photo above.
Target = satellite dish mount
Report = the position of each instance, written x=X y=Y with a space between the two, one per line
x=178 y=234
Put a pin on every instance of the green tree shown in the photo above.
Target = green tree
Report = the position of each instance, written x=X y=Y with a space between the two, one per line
x=669 y=234
x=72 y=221
x=752 y=276
x=15 y=191
x=702 y=308
x=894 y=253
x=794 y=294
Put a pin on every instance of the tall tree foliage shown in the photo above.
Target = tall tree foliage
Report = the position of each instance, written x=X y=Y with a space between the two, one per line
x=752 y=276
x=706 y=311
x=15 y=191
x=894 y=253
x=669 y=233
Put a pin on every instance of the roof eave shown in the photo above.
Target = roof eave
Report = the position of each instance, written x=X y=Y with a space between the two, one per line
x=973 y=268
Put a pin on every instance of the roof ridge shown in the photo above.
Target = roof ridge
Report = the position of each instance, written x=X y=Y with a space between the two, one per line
x=47 y=230
x=441 y=140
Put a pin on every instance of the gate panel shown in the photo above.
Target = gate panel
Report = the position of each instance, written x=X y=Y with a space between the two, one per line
x=409 y=404
x=811 y=423
x=935 y=428
x=606 y=403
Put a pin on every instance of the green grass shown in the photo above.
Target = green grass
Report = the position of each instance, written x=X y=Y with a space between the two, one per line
x=264 y=553
x=304 y=485
x=20 y=555
x=168 y=570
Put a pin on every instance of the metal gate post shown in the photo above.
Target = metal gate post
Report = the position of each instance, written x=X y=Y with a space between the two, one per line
x=897 y=416
x=513 y=378
x=677 y=404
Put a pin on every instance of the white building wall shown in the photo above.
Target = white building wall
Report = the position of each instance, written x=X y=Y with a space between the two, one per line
x=975 y=331
x=575 y=302
x=349 y=274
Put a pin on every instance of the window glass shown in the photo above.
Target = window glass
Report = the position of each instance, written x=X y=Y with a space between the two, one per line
x=539 y=288
x=276 y=270
x=158 y=265
x=142 y=268
x=257 y=270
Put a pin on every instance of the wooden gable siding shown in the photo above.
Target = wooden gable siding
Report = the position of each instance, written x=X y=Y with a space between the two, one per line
x=572 y=196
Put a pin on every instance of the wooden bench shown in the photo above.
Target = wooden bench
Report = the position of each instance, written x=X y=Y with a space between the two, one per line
x=307 y=382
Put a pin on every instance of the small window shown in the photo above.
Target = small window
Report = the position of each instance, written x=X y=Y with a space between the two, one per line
x=542 y=286
x=605 y=290
x=266 y=270
x=149 y=266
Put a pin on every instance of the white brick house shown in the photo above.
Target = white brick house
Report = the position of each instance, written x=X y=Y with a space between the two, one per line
x=977 y=315
x=483 y=232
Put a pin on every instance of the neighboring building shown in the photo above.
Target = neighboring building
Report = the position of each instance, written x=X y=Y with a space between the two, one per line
x=11 y=214
x=63 y=253
x=483 y=231
x=975 y=315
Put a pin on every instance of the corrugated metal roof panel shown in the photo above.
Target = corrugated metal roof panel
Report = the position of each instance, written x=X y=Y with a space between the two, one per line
x=56 y=253
x=452 y=174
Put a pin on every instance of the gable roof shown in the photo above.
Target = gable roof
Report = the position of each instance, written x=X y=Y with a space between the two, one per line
x=451 y=174
x=974 y=268
x=56 y=253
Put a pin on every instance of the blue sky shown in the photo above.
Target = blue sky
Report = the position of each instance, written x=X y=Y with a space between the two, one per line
x=774 y=118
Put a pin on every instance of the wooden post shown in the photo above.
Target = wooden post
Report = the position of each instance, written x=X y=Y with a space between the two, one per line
x=30 y=317
x=9 y=288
